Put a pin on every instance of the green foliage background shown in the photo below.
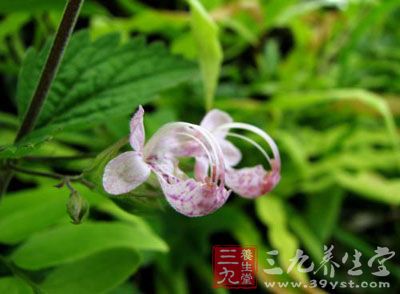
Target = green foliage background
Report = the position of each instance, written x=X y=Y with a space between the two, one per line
x=322 y=77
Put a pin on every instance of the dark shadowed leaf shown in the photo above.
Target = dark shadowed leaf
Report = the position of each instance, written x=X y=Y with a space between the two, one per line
x=97 y=273
x=67 y=243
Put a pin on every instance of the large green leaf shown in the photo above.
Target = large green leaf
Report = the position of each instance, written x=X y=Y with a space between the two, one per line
x=97 y=273
x=97 y=81
x=24 y=213
x=205 y=32
x=68 y=243
x=103 y=78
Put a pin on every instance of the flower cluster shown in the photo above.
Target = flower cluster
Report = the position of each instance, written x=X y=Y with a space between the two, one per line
x=215 y=175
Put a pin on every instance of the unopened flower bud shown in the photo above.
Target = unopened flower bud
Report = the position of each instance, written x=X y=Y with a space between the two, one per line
x=77 y=207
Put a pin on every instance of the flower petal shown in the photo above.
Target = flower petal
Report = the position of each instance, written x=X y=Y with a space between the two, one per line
x=215 y=118
x=137 y=135
x=186 y=195
x=124 y=173
x=232 y=154
x=192 y=198
x=197 y=141
x=201 y=168
x=251 y=182
x=187 y=148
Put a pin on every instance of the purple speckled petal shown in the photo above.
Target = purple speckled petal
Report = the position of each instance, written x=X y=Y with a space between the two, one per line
x=187 y=148
x=124 y=173
x=186 y=195
x=252 y=182
x=137 y=135
x=214 y=119
x=192 y=198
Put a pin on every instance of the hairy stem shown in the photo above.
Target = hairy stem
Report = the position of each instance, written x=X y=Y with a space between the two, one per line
x=51 y=66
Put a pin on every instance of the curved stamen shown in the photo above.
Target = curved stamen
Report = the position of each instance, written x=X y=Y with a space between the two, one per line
x=252 y=142
x=212 y=175
x=172 y=129
x=257 y=131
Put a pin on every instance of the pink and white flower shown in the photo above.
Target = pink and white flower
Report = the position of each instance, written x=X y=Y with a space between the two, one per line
x=215 y=157
x=186 y=195
x=249 y=182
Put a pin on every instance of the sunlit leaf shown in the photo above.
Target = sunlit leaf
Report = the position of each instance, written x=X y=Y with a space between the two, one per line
x=377 y=103
x=271 y=211
x=29 y=211
x=208 y=48
x=13 y=285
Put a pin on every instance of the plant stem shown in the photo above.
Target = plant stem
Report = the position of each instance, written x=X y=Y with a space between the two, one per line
x=38 y=173
x=51 y=66
x=48 y=74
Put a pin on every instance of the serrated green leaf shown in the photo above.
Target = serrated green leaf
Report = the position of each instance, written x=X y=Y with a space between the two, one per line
x=24 y=213
x=209 y=50
x=13 y=285
x=68 y=243
x=96 y=81
x=97 y=273
x=29 y=76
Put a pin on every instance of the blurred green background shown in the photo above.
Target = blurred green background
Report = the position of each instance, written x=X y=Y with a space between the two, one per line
x=322 y=77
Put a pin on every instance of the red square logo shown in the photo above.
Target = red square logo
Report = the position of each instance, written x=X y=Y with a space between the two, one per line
x=234 y=267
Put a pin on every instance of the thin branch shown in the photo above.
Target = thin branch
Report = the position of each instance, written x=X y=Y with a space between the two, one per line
x=37 y=173
x=51 y=66
x=65 y=179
